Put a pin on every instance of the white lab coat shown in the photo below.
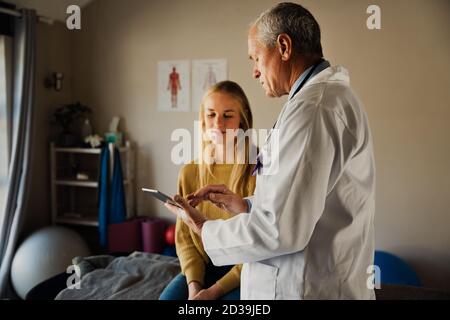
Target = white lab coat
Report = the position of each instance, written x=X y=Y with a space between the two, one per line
x=310 y=231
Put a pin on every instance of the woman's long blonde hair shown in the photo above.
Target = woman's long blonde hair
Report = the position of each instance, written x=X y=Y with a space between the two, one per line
x=241 y=173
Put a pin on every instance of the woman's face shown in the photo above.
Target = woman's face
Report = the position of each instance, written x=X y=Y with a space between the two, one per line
x=221 y=112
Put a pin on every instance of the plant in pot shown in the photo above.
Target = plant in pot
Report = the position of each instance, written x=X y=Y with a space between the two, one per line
x=64 y=117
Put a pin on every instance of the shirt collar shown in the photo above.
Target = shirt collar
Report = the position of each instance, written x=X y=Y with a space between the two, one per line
x=322 y=66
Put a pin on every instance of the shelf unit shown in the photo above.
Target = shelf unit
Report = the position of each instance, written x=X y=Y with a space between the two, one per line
x=74 y=201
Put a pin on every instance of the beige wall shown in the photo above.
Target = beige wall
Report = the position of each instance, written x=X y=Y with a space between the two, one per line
x=401 y=74
x=53 y=55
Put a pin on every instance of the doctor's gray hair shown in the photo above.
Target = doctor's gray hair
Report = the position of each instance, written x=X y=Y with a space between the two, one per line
x=293 y=20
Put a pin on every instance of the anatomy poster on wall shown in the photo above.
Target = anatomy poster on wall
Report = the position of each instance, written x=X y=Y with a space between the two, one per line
x=173 y=85
x=205 y=73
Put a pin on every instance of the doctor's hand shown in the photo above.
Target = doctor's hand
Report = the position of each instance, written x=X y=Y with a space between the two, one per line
x=191 y=216
x=220 y=196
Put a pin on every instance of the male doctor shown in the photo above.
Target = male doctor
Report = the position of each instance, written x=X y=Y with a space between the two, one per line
x=307 y=233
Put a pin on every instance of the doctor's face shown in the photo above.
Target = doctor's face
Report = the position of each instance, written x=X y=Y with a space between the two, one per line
x=221 y=112
x=267 y=65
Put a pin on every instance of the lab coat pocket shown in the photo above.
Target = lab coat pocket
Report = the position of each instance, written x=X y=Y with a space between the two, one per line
x=262 y=281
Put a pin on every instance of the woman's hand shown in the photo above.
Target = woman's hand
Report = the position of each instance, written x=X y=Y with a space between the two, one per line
x=220 y=196
x=212 y=293
x=194 y=288
x=191 y=216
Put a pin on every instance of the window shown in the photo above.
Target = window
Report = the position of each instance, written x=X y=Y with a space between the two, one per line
x=5 y=103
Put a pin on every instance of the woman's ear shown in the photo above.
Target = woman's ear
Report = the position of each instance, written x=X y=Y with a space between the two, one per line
x=284 y=45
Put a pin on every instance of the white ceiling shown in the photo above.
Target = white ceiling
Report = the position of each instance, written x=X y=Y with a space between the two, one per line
x=54 y=9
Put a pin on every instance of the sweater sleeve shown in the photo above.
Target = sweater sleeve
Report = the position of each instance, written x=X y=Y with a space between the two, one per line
x=191 y=261
x=231 y=280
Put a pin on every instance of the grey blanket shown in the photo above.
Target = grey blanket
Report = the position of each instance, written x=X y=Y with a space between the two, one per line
x=140 y=276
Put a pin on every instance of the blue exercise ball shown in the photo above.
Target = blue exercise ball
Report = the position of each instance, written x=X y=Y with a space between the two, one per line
x=394 y=270
x=44 y=254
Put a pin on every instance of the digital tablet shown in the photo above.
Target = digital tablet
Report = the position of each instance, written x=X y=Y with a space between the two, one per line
x=162 y=197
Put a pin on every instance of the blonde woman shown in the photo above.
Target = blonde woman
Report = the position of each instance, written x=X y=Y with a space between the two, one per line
x=224 y=106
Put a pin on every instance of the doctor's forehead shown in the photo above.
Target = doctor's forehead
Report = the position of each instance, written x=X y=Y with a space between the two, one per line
x=252 y=42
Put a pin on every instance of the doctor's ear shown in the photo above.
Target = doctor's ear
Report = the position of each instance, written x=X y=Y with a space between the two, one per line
x=284 y=45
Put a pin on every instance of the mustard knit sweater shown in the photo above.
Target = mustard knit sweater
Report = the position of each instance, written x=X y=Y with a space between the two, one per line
x=193 y=257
